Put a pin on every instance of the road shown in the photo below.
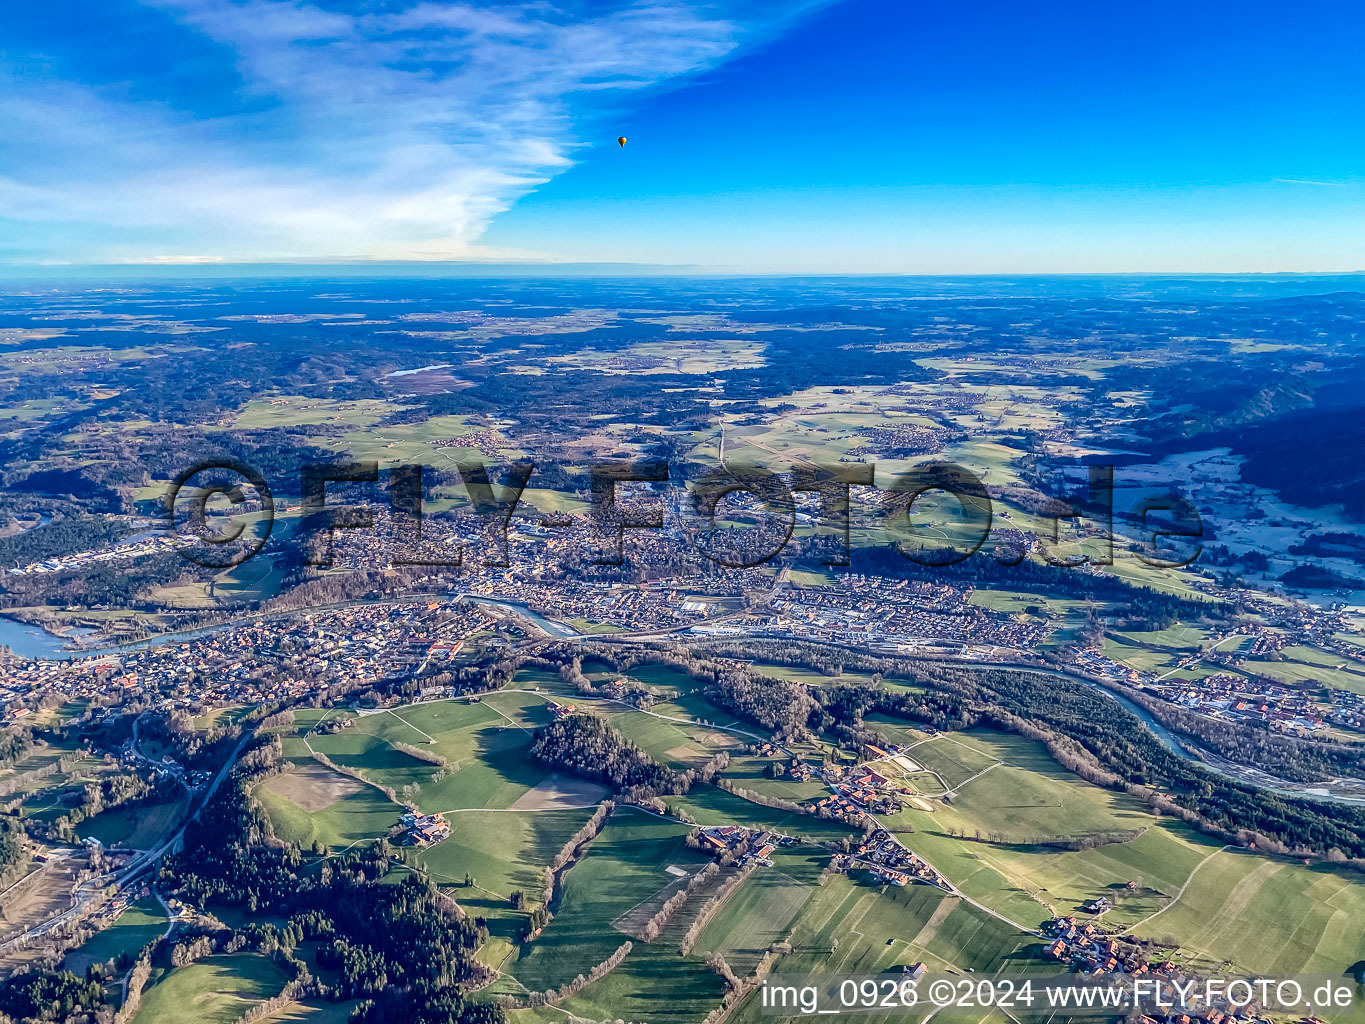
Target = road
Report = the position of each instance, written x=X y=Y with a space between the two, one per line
x=87 y=893
x=1205 y=654
x=1181 y=892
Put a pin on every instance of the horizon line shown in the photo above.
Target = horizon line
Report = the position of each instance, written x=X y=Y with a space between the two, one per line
x=542 y=268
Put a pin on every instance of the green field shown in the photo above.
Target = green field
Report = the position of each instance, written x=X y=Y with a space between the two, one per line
x=679 y=744
x=708 y=805
x=897 y=730
x=1262 y=914
x=141 y=923
x=1268 y=915
x=808 y=675
x=134 y=828
x=662 y=675
x=1137 y=656
x=756 y=917
x=624 y=866
x=1007 y=821
x=502 y=852
x=485 y=747
x=1027 y=797
x=299 y=410
x=749 y=771
x=354 y=817
x=1016 y=602
x=1178 y=637
x=216 y=990
x=955 y=757
x=230 y=714
x=1310 y=665
x=314 y=1013
x=50 y=798
x=851 y=928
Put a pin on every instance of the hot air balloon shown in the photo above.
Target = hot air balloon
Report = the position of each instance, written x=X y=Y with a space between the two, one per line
x=621 y=141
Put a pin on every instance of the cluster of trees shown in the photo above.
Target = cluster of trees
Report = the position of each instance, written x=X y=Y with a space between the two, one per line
x=777 y=704
x=572 y=988
x=12 y=852
x=117 y=584
x=15 y=743
x=123 y=789
x=587 y=746
x=49 y=997
x=137 y=984
x=737 y=989
x=187 y=952
x=280 y=942
x=427 y=1008
x=763 y=799
x=195 y=748
x=655 y=925
x=421 y=754
x=1088 y=841
x=276 y=720
x=60 y=537
x=570 y=852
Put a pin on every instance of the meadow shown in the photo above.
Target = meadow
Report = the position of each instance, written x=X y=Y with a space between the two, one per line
x=346 y=815
x=137 y=827
x=216 y=990
x=709 y=805
x=851 y=928
x=314 y=1013
x=625 y=866
x=500 y=852
x=484 y=745
x=1269 y=915
x=141 y=923
x=955 y=758
x=679 y=744
x=760 y=913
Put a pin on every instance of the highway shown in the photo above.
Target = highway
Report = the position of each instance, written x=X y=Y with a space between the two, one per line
x=86 y=895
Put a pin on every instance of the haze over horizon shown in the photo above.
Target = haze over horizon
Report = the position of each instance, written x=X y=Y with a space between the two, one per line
x=850 y=137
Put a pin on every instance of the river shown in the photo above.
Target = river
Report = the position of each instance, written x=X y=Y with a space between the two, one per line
x=35 y=642
x=551 y=626
x=1346 y=791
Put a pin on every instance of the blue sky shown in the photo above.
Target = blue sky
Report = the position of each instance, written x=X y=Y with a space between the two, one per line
x=831 y=137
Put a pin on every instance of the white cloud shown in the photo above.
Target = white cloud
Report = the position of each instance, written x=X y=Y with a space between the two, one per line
x=388 y=134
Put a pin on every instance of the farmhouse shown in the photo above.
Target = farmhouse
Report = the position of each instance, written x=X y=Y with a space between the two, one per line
x=424 y=830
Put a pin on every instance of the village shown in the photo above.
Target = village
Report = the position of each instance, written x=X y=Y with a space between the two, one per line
x=255 y=662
